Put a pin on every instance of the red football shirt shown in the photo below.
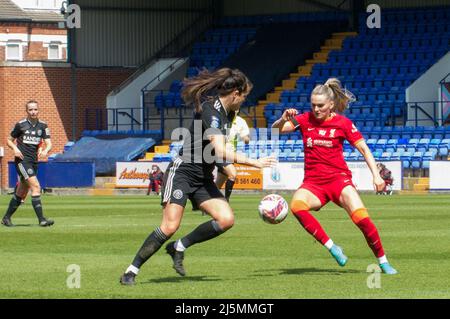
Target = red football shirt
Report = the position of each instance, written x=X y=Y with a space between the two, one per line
x=323 y=144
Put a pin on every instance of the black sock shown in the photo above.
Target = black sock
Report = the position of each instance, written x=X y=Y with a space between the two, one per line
x=14 y=203
x=150 y=246
x=37 y=205
x=205 y=231
x=228 y=188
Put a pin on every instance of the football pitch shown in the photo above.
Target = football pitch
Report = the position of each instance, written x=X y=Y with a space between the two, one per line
x=252 y=260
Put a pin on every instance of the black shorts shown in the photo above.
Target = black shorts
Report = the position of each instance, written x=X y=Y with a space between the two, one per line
x=179 y=185
x=26 y=169
x=221 y=166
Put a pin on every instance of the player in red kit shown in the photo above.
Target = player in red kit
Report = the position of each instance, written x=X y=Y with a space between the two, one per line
x=327 y=177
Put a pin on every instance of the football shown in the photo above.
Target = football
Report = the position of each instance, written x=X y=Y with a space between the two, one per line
x=273 y=209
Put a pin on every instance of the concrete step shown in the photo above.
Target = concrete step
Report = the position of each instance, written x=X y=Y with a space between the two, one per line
x=101 y=192
x=330 y=47
x=321 y=56
x=424 y=180
x=109 y=185
x=149 y=156
x=334 y=42
x=162 y=149
x=100 y=181
x=305 y=68
x=344 y=34
x=421 y=187
x=273 y=97
x=289 y=84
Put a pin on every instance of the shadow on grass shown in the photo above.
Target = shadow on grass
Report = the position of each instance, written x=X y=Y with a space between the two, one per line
x=306 y=271
x=179 y=279
x=302 y=271
x=23 y=225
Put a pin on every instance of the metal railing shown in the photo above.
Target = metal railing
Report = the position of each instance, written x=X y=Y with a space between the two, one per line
x=433 y=113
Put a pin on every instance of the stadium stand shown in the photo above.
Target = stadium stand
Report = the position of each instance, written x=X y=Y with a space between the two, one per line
x=106 y=152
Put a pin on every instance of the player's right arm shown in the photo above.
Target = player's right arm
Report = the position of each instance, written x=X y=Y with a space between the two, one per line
x=11 y=141
x=284 y=123
x=219 y=144
x=13 y=146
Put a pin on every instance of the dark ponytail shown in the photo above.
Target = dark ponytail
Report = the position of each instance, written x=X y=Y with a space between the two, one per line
x=207 y=84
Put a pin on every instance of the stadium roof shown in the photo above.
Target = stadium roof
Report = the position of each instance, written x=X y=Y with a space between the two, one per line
x=10 y=12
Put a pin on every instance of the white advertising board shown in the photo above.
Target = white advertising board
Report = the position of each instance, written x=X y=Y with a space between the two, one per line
x=289 y=176
x=362 y=177
x=440 y=175
x=284 y=176
x=135 y=174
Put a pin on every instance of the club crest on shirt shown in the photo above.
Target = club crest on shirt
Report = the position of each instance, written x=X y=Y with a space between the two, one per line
x=332 y=131
x=39 y=132
x=215 y=122
x=309 y=142
x=177 y=194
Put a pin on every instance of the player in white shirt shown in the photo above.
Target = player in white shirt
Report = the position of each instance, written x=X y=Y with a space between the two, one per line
x=226 y=171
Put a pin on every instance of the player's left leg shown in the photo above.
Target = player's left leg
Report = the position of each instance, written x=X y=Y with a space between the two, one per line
x=35 y=188
x=223 y=219
x=352 y=203
x=14 y=203
x=230 y=171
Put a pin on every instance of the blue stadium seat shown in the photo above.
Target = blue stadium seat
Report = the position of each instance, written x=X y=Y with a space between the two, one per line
x=444 y=147
x=434 y=143
x=413 y=142
x=377 y=155
x=427 y=157
x=395 y=156
x=385 y=156
x=422 y=146
x=416 y=160
x=392 y=143
x=406 y=159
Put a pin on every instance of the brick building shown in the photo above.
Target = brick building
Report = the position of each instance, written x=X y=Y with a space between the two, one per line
x=33 y=66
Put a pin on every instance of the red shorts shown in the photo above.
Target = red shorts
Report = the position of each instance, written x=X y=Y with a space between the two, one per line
x=328 y=189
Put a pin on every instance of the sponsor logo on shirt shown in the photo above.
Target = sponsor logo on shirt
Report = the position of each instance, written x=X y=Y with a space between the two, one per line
x=33 y=140
x=322 y=132
x=323 y=143
x=310 y=143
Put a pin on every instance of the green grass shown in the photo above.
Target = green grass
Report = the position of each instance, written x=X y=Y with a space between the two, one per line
x=252 y=260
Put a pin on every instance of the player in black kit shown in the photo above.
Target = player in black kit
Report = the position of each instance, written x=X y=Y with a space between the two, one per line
x=28 y=133
x=190 y=176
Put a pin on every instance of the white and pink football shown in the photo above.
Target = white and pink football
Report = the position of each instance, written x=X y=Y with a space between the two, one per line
x=273 y=209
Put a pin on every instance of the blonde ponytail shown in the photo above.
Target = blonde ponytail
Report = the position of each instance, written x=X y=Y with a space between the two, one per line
x=334 y=92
